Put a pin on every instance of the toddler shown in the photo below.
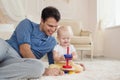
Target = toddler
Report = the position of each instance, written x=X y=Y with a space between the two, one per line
x=64 y=34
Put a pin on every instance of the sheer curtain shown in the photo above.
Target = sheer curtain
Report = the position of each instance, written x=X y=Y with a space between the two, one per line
x=108 y=15
x=14 y=9
x=108 y=12
x=98 y=39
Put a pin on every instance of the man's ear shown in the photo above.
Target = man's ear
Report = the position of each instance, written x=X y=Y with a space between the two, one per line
x=41 y=21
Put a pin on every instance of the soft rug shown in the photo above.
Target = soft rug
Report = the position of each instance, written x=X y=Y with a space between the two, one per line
x=95 y=70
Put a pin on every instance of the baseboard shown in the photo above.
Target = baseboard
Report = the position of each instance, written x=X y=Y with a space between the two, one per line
x=94 y=56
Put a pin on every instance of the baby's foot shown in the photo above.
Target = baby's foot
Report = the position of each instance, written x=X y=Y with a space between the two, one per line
x=82 y=65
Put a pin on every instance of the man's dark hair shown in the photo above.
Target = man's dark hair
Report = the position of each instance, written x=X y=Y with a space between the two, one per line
x=50 y=12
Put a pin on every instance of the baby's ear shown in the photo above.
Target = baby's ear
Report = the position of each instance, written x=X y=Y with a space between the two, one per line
x=57 y=39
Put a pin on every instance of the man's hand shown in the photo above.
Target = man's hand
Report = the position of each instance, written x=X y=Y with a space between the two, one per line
x=53 y=72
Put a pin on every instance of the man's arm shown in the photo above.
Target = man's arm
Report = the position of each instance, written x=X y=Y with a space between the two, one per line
x=25 y=51
x=50 y=57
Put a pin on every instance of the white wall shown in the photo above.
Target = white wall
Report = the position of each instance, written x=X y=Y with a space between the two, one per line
x=112 y=42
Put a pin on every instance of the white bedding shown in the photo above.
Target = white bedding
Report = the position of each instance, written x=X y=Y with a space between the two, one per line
x=95 y=70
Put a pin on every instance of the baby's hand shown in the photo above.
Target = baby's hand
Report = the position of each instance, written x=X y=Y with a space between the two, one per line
x=62 y=58
x=53 y=72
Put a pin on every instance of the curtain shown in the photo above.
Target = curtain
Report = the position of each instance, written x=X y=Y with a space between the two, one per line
x=99 y=40
x=105 y=18
x=109 y=12
x=14 y=9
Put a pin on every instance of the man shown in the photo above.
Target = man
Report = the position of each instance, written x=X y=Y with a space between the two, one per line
x=29 y=42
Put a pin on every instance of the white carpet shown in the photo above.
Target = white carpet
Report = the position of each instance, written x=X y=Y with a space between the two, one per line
x=95 y=70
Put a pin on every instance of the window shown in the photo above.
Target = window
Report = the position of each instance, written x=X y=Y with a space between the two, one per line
x=108 y=12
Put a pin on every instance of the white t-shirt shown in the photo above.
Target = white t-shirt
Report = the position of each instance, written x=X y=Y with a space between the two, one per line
x=61 y=50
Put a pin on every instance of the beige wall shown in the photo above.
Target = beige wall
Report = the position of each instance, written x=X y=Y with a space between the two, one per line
x=112 y=42
x=92 y=14
x=82 y=10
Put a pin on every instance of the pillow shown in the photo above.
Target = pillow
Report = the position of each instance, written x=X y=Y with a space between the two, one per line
x=85 y=33
x=74 y=25
x=6 y=30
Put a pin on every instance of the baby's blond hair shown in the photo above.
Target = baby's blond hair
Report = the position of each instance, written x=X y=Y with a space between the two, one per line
x=64 y=29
